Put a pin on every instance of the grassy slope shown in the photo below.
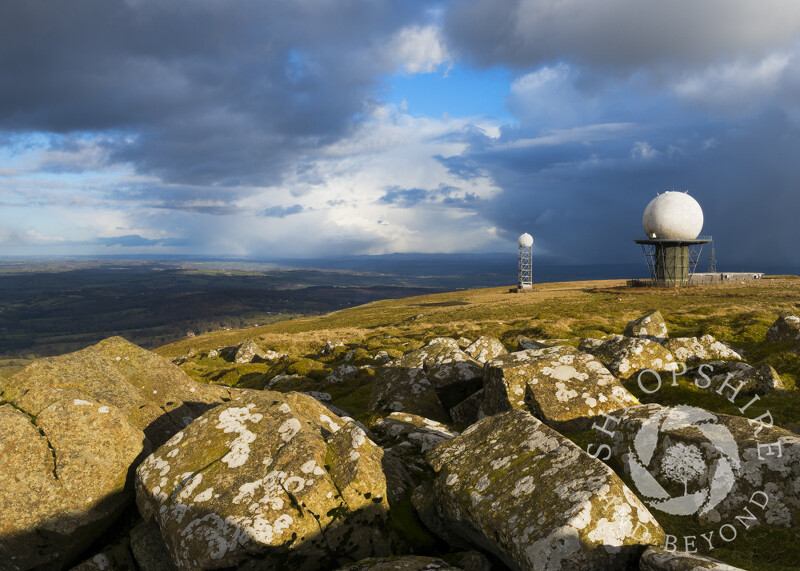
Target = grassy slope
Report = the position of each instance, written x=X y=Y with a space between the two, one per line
x=737 y=314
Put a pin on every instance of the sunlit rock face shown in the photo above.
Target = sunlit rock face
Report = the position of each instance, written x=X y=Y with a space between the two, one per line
x=269 y=477
x=523 y=492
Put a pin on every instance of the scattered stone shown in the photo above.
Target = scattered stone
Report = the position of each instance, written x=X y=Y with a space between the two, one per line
x=485 y=349
x=286 y=383
x=524 y=344
x=659 y=559
x=248 y=352
x=63 y=475
x=748 y=379
x=324 y=398
x=518 y=489
x=786 y=329
x=687 y=461
x=382 y=357
x=468 y=411
x=330 y=347
x=270 y=478
x=565 y=388
x=341 y=374
x=463 y=343
x=691 y=350
x=589 y=344
x=148 y=548
x=651 y=326
x=398 y=389
x=626 y=356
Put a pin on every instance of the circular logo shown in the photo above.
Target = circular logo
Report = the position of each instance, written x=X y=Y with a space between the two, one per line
x=682 y=462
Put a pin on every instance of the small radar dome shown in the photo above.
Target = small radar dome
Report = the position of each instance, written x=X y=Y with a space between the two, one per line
x=526 y=240
x=673 y=216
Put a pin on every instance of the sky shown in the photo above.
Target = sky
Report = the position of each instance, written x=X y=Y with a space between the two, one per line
x=314 y=128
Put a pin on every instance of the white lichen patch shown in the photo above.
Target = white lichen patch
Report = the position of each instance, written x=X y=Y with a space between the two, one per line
x=284 y=408
x=327 y=420
x=204 y=496
x=80 y=402
x=233 y=420
x=289 y=429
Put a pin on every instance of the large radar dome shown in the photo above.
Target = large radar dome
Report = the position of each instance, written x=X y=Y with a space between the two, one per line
x=673 y=216
x=525 y=240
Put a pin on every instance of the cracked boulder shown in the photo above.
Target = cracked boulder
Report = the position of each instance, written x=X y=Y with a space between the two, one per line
x=269 y=480
x=404 y=389
x=651 y=326
x=65 y=475
x=152 y=393
x=485 y=349
x=691 y=350
x=626 y=356
x=686 y=461
x=516 y=488
x=565 y=388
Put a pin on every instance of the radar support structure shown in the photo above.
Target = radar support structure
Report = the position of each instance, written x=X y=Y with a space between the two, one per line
x=525 y=280
x=672 y=262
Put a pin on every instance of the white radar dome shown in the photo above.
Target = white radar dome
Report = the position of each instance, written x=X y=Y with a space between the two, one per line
x=526 y=240
x=673 y=216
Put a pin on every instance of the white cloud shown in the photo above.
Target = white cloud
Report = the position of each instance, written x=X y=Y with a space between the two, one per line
x=643 y=150
x=419 y=49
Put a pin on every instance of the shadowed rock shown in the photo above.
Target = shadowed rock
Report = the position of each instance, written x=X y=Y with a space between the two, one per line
x=398 y=389
x=518 y=489
x=785 y=329
x=659 y=559
x=746 y=378
x=401 y=563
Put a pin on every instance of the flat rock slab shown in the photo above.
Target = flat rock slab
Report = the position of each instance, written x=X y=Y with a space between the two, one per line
x=64 y=476
x=271 y=478
x=626 y=356
x=154 y=394
x=564 y=387
x=687 y=461
x=651 y=326
x=739 y=375
x=516 y=488
x=485 y=349
x=693 y=349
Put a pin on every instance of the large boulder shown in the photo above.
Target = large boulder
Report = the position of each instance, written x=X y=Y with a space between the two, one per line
x=691 y=350
x=651 y=326
x=686 y=461
x=248 y=352
x=748 y=379
x=440 y=350
x=404 y=389
x=565 y=388
x=152 y=393
x=626 y=356
x=485 y=349
x=268 y=480
x=64 y=475
x=786 y=329
x=518 y=489
x=455 y=381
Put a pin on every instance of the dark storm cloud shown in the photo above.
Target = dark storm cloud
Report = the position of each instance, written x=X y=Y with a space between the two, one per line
x=282 y=211
x=410 y=197
x=622 y=34
x=204 y=92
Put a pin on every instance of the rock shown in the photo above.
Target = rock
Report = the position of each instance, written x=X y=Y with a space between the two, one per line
x=153 y=394
x=382 y=357
x=287 y=383
x=687 y=461
x=651 y=326
x=524 y=344
x=432 y=354
x=401 y=563
x=690 y=350
x=340 y=374
x=398 y=389
x=455 y=381
x=408 y=437
x=64 y=474
x=468 y=411
x=247 y=352
x=444 y=342
x=270 y=355
x=659 y=559
x=589 y=344
x=626 y=356
x=786 y=329
x=330 y=347
x=268 y=480
x=148 y=548
x=463 y=343
x=112 y=557
x=485 y=349
x=565 y=388
x=518 y=489
x=750 y=380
